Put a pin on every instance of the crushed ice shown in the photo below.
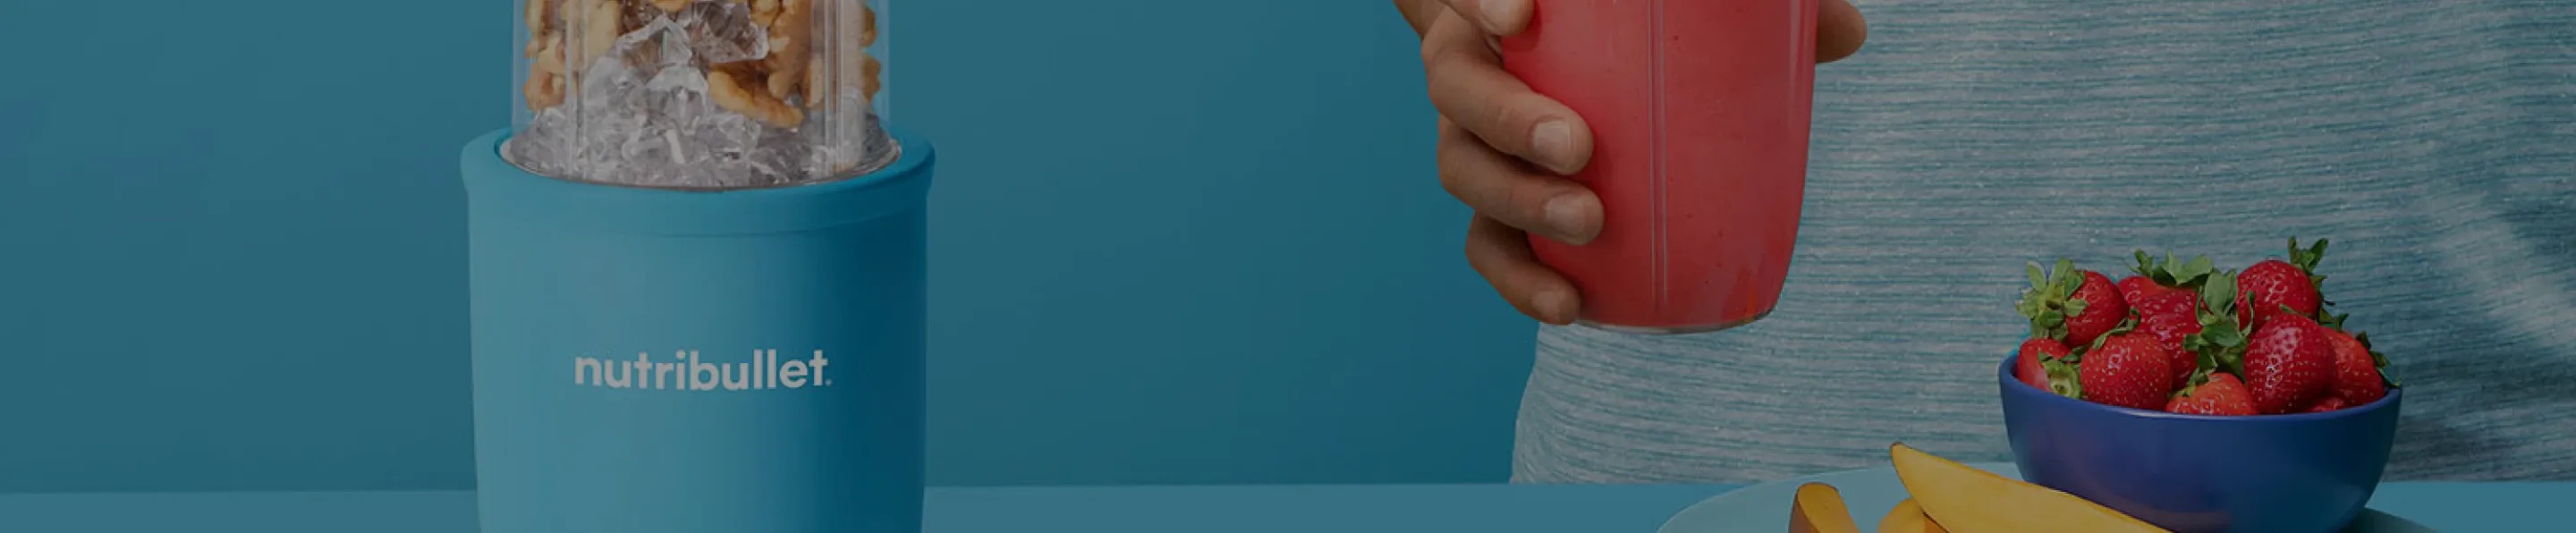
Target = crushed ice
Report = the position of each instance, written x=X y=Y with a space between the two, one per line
x=642 y=117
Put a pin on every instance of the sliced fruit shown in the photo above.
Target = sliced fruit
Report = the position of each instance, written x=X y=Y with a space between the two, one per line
x=1963 y=498
x=1819 y=508
x=1908 y=517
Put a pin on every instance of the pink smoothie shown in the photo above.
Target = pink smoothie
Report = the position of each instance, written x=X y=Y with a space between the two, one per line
x=1699 y=112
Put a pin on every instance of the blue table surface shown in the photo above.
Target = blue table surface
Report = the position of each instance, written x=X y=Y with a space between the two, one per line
x=1250 y=509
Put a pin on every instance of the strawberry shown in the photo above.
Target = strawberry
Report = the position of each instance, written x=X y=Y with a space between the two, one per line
x=2164 y=297
x=2128 y=369
x=2069 y=305
x=2169 y=332
x=2267 y=287
x=2289 y=364
x=2034 y=352
x=2219 y=393
x=2326 y=405
x=2103 y=309
x=2357 y=380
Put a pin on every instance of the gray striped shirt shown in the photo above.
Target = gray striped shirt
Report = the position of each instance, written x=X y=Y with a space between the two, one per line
x=2433 y=141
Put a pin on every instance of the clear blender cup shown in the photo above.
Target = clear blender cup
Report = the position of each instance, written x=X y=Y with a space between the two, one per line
x=701 y=94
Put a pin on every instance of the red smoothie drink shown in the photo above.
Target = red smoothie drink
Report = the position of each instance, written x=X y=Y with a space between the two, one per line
x=1699 y=112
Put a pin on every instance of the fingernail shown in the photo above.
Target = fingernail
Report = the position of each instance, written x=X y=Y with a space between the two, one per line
x=1498 y=13
x=1554 y=306
x=1574 y=218
x=1553 y=142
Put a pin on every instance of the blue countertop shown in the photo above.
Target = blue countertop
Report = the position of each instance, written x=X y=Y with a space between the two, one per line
x=2450 y=507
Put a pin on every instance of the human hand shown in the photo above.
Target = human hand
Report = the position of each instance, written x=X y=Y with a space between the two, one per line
x=1504 y=149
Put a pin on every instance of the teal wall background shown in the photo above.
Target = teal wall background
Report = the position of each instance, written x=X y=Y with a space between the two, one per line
x=1174 y=241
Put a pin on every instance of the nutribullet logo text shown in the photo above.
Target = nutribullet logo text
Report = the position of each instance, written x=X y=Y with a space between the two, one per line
x=684 y=371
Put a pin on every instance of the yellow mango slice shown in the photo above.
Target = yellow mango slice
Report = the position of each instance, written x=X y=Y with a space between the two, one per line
x=1908 y=517
x=1963 y=498
x=1819 y=508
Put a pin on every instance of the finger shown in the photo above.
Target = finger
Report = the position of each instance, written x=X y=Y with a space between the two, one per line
x=1840 y=30
x=1840 y=27
x=1502 y=255
x=1468 y=85
x=1506 y=190
x=1501 y=18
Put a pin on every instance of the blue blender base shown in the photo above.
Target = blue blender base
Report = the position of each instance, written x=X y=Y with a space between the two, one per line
x=661 y=361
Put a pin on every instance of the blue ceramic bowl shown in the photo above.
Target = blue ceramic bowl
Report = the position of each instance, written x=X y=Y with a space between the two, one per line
x=2300 y=473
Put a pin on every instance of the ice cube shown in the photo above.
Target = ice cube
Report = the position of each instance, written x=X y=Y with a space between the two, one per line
x=723 y=32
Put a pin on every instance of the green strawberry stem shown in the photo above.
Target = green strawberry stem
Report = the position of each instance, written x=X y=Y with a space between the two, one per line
x=2049 y=300
x=2376 y=359
x=2193 y=383
x=2062 y=377
x=2221 y=340
x=2126 y=325
x=2170 y=272
x=2307 y=260
x=2332 y=321
x=2218 y=296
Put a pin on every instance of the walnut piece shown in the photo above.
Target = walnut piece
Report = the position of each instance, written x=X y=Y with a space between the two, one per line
x=790 y=47
x=544 y=88
x=764 y=12
x=544 y=91
x=567 y=35
x=869 y=68
x=867 y=26
x=541 y=20
x=549 y=58
x=856 y=67
x=741 y=91
x=600 y=27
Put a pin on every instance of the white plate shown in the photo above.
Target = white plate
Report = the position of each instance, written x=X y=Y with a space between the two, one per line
x=1870 y=493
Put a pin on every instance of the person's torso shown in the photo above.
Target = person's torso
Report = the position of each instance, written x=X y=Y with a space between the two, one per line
x=2433 y=142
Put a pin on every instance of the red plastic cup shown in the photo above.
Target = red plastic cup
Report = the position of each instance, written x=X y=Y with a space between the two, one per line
x=1699 y=112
